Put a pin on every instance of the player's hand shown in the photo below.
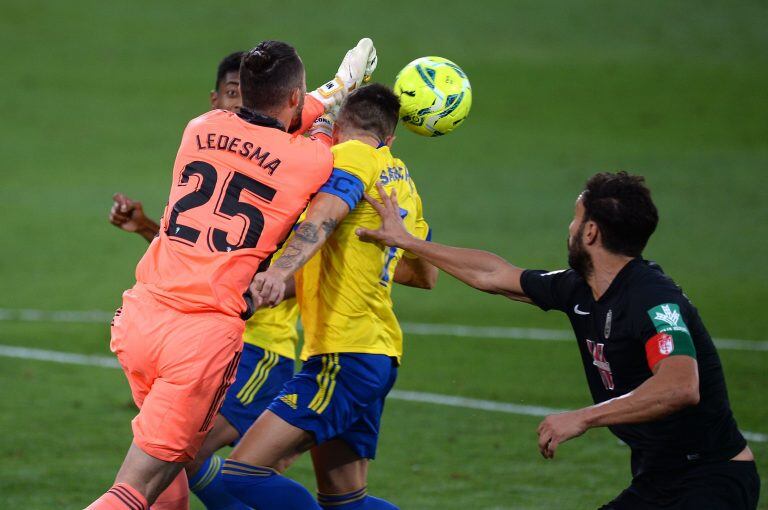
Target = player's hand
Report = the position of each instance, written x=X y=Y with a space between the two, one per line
x=392 y=231
x=127 y=214
x=357 y=66
x=559 y=428
x=267 y=289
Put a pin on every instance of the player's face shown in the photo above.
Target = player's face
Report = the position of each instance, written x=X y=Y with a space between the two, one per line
x=296 y=121
x=578 y=219
x=579 y=258
x=227 y=96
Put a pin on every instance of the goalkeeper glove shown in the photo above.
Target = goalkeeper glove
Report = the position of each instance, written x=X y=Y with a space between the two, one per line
x=323 y=126
x=357 y=66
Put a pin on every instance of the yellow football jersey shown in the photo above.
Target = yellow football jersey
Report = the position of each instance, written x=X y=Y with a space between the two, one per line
x=274 y=329
x=344 y=291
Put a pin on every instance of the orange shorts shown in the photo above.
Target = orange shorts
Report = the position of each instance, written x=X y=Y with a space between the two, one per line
x=179 y=367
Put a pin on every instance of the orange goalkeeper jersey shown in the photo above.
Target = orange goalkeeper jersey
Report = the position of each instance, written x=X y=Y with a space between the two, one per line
x=238 y=188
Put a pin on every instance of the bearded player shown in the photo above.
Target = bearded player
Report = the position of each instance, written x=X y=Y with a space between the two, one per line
x=651 y=366
x=240 y=183
x=270 y=338
x=352 y=340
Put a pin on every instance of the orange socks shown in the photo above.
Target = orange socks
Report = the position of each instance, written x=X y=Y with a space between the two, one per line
x=124 y=497
x=120 y=497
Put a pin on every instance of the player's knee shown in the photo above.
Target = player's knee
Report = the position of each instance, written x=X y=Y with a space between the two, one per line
x=206 y=452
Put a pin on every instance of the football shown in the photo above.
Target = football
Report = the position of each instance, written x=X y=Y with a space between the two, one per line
x=435 y=96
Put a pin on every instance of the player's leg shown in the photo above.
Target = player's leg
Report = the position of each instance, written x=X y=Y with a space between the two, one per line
x=222 y=434
x=353 y=402
x=341 y=464
x=322 y=401
x=637 y=497
x=175 y=496
x=192 y=375
x=286 y=429
x=137 y=364
x=338 y=468
x=342 y=479
x=626 y=502
x=732 y=485
x=260 y=376
x=138 y=483
x=204 y=473
x=252 y=471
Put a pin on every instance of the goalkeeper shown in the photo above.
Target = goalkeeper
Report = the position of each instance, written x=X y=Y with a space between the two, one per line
x=270 y=337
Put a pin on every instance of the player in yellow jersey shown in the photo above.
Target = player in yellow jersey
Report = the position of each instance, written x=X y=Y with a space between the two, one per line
x=270 y=337
x=352 y=340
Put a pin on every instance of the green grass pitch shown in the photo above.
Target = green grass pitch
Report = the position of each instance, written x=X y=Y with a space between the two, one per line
x=94 y=96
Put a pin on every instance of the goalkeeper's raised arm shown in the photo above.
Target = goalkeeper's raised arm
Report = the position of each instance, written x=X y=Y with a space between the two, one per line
x=356 y=67
x=480 y=269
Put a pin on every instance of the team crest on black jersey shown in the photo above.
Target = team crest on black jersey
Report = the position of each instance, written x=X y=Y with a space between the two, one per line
x=608 y=321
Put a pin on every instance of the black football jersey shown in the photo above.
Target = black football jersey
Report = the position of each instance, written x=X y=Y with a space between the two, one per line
x=643 y=317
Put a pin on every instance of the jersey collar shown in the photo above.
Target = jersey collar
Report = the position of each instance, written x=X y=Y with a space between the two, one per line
x=259 y=119
x=620 y=278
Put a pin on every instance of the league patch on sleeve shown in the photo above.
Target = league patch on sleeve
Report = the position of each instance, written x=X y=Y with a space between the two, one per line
x=658 y=347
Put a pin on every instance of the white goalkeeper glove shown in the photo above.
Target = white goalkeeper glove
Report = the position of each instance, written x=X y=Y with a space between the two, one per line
x=357 y=67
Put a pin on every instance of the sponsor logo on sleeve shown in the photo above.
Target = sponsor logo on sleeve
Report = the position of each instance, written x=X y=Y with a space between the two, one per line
x=667 y=318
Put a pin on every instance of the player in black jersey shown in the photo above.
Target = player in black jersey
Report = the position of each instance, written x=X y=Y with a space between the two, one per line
x=653 y=371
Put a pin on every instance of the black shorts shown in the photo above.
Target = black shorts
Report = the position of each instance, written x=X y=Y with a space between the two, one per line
x=729 y=485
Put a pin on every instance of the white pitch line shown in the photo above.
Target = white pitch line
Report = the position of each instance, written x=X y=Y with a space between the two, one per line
x=413 y=328
x=69 y=358
x=72 y=358
x=472 y=403
x=32 y=315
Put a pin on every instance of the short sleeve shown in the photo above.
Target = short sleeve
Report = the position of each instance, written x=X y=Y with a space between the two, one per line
x=344 y=185
x=352 y=174
x=549 y=290
x=355 y=160
x=663 y=326
x=421 y=228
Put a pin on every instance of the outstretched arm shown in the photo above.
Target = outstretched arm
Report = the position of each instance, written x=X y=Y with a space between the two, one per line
x=324 y=214
x=415 y=272
x=479 y=269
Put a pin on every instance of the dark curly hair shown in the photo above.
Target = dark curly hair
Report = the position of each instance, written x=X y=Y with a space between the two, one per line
x=622 y=207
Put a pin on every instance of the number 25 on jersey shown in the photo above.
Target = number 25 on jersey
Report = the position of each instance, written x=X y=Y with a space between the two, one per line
x=228 y=205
